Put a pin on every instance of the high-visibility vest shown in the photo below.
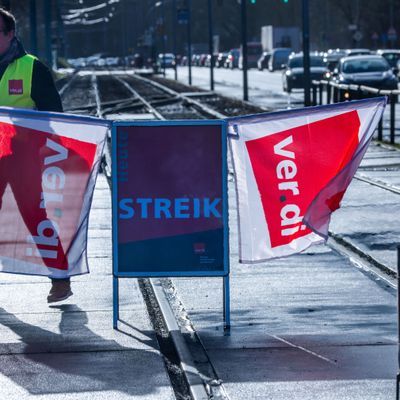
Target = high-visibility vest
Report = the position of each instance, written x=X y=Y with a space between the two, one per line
x=16 y=83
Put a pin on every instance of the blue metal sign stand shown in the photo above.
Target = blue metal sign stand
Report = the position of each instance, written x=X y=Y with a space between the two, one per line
x=191 y=272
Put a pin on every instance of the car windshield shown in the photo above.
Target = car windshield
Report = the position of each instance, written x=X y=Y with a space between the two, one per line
x=391 y=58
x=297 y=62
x=372 y=65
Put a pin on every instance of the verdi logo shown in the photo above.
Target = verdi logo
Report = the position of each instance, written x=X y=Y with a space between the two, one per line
x=284 y=169
x=15 y=86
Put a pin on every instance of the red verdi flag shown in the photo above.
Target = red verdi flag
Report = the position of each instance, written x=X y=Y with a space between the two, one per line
x=48 y=169
x=292 y=169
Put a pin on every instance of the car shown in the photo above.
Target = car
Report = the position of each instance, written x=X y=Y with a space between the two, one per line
x=332 y=57
x=279 y=58
x=293 y=75
x=367 y=70
x=166 y=60
x=202 y=59
x=220 y=60
x=254 y=51
x=232 y=60
x=262 y=62
x=392 y=57
x=208 y=60
x=358 y=52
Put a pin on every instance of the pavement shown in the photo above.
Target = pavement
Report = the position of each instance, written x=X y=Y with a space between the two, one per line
x=70 y=350
x=310 y=326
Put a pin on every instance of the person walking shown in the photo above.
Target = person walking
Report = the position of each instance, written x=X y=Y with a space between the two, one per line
x=25 y=82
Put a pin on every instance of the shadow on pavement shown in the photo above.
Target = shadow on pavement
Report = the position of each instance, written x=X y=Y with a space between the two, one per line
x=77 y=359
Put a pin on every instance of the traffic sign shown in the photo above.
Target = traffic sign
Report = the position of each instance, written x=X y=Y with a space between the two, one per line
x=183 y=15
x=392 y=34
x=357 y=36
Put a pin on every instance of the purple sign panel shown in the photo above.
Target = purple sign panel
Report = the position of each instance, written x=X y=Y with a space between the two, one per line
x=170 y=198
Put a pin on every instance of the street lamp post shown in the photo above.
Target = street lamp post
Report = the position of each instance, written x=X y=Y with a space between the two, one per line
x=210 y=45
x=244 y=49
x=47 y=25
x=174 y=22
x=306 y=54
x=33 y=26
x=189 y=33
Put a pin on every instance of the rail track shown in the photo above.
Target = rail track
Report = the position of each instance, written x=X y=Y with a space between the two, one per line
x=122 y=96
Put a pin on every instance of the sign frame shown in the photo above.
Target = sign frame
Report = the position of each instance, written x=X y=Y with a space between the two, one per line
x=192 y=272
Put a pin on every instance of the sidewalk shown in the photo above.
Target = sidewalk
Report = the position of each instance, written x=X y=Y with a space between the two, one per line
x=310 y=326
x=70 y=351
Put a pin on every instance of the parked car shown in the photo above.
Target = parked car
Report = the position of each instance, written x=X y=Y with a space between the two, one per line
x=392 y=57
x=262 y=62
x=167 y=61
x=332 y=57
x=220 y=61
x=208 y=60
x=279 y=58
x=202 y=60
x=232 y=60
x=293 y=75
x=254 y=51
x=358 y=52
x=367 y=70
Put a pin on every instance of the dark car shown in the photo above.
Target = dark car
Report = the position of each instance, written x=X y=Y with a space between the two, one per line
x=166 y=60
x=293 y=75
x=392 y=57
x=254 y=51
x=221 y=58
x=262 y=62
x=279 y=58
x=357 y=52
x=232 y=60
x=372 y=70
x=332 y=57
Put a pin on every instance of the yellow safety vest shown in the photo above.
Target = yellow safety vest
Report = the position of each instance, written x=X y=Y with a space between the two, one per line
x=16 y=83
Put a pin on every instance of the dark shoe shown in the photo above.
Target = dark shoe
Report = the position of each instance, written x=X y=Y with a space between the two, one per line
x=60 y=290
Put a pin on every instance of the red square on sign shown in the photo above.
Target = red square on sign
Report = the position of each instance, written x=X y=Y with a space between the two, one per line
x=199 y=248
x=15 y=86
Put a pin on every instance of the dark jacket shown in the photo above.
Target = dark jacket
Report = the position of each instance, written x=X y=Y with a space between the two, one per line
x=43 y=91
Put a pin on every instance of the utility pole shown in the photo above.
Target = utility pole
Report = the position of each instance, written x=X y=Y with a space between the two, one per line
x=47 y=27
x=210 y=45
x=189 y=9
x=174 y=23
x=244 y=49
x=33 y=26
x=306 y=53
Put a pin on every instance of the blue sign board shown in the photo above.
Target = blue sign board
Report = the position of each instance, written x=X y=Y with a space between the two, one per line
x=183 y=15
x=170 y=199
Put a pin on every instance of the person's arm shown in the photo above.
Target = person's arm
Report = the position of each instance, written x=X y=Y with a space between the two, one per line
x=44 y=92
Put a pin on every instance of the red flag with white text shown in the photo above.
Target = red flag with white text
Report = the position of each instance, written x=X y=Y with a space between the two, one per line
x=292 y=169
x=48 y=169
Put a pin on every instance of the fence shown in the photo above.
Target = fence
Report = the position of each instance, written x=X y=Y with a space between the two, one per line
x=327 y=92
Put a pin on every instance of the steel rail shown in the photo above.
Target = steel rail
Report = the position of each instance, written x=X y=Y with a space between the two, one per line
x=188 y=99
x=377 y=182
x=68 y=84
x=148 y=106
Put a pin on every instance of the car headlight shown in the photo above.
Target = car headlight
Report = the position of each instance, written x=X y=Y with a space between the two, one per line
x=288 y=72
